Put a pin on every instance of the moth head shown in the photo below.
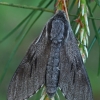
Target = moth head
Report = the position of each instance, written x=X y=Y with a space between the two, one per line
x=57 y=27
x=57 y=30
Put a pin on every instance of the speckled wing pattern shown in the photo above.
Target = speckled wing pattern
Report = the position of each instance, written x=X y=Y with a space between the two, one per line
x=30 y=75
x=53 y=60
x=73 y=81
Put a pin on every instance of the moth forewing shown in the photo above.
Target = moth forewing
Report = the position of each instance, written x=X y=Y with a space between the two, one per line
x=30 y=74
x=73 y=80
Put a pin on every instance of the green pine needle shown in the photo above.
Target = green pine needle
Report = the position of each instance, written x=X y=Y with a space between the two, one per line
x=18 y=44
x=18 y=26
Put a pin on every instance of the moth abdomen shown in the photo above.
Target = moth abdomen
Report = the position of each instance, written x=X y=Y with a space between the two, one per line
x=51 y=90
x=52 y=70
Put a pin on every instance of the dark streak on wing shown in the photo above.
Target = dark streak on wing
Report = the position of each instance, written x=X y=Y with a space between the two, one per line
x=74 y=82
x=35 y=62
x=74 y=78
x=30 y=75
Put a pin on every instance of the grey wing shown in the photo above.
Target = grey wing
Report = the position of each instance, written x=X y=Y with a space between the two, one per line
x=30 y=75
x=73 y=81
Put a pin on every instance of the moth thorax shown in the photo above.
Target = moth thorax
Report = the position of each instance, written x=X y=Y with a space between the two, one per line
x=57 y=31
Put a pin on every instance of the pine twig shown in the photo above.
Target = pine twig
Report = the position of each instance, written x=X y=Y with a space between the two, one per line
x=37 y=8
x=26 y=7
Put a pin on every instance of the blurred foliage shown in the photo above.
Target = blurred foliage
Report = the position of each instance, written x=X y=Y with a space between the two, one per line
x=98 y=2
x=17 y=25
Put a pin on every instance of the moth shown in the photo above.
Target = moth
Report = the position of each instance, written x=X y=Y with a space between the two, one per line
x=53 y=60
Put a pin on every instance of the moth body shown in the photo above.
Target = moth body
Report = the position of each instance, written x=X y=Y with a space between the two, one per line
x=52 y=70
x=53 y=60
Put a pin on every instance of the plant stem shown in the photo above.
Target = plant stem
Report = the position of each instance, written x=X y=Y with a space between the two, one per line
x=36 y=8
x=26 y=7
x=94 y=18
x=93 y=23
x=88 y=17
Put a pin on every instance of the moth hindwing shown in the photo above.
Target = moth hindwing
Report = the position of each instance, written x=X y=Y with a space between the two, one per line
x=52 y=60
